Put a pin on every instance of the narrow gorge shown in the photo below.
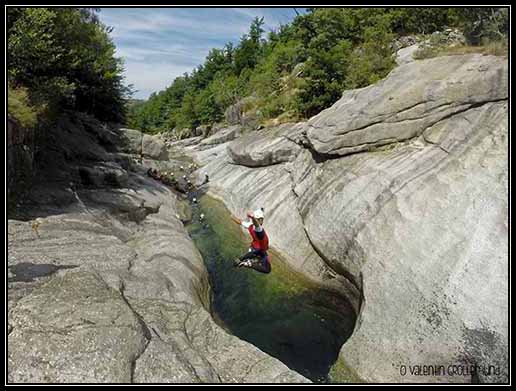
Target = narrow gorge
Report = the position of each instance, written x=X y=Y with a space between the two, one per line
x=392 y=205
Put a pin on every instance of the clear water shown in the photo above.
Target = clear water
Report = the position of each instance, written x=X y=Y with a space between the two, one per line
x=282 y=313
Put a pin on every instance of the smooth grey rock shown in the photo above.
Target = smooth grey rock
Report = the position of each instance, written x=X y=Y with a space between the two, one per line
x=186 y=142
x=419 y=227
x=74 y=329
x=154 y=148
x=131 y=141
x=406 y=54
x=265 y=147
x=410 y=100
x=424 y=227
x=223 y=135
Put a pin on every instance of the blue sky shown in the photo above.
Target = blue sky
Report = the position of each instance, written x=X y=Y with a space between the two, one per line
x=159 y=44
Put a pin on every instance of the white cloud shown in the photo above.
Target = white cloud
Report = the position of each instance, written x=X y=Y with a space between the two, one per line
x=174 y=53
x=166 y=21
x=152 y=77
x=159 y=44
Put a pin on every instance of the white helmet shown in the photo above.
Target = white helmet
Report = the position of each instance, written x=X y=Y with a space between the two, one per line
x=258 y=214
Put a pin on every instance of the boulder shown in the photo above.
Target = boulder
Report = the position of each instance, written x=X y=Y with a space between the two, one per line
x=233 y=114
x=131 y=141
x=223 y=135
x=154 y=148
x=403 y=42
x=203 y=130
x=406 y=54
x=103 y=174
x=266 y=147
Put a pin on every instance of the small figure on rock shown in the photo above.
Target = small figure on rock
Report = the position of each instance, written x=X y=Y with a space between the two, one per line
x=35 y=226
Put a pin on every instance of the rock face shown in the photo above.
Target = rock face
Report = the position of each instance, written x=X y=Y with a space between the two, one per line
x=20 y=157
x=413 y=98
x=265 y=148
x=406 y=54
x=105 y=286
x=135 y=142
x=222 y=136
x=233 y=114
x=397 y=196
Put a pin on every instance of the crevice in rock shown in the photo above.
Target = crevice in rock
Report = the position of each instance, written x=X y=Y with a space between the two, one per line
x=179 y=356
x=432 y=143
x=131 y=263
x=358 y=294
x=190 y=340
x=320 y=157
x=233 y=163
x=357 y=286
x=252 y=366
x=146 y=332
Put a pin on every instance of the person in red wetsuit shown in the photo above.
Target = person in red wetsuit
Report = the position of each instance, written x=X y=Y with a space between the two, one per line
x=257 y=257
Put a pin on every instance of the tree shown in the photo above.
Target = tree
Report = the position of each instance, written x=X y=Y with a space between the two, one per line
x=483 y=23
x=247 y=54
x=65 y=58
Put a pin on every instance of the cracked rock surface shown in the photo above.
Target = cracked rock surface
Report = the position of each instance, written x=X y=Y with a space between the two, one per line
x=396 y=196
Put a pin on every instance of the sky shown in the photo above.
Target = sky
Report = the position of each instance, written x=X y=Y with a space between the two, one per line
x=159 y=44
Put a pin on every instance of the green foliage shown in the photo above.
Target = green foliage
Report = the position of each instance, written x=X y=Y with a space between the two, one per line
x=65 y=58
x=303 y=67
x=481 y=25
x=225 y=90
x=248 y=52
x=372 y=60
x=19 y=107
x=421 y=20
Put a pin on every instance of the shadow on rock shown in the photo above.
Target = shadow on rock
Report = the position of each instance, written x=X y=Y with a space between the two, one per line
x=27 y=272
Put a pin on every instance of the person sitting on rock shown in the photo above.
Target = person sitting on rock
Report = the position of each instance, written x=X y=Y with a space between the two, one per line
x=256 y=258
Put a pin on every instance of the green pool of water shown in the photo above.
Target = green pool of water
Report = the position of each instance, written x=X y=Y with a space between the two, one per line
x=282 y=313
